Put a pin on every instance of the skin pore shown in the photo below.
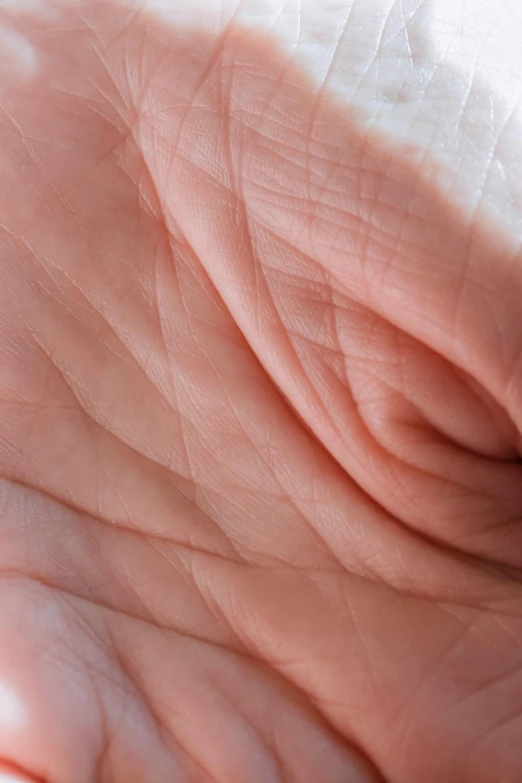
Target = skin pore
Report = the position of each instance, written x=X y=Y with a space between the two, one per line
x=260 y=393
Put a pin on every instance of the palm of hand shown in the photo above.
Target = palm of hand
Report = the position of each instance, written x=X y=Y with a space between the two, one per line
x=261 y=493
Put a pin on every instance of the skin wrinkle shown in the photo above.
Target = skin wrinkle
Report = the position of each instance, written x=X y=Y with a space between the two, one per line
x=369 y=431
x=147 y=615
x=115 y=435
x=377 y=444
x=270 y=747
x=297 y=693
x=130 y=675
x=313 y=573
x=34 y=159
x=164 y=224
x=231 y=166
x=323 y=543
x=129 y=446
x=240 y=650
x=289 y=331
x=181 y=125
x=259 y=267
x=425 y=424
x=134 y=533
x=190 y=470
x=131 y=531
x=261 y=275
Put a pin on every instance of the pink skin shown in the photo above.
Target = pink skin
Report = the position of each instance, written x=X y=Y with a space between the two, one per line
x=260 y=394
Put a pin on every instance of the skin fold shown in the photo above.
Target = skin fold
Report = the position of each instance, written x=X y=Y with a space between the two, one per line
x=260 y=391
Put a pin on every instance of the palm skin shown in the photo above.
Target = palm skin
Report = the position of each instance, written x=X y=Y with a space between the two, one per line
x=260 y=393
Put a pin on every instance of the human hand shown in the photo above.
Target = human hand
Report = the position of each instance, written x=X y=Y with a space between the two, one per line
x=260 y=391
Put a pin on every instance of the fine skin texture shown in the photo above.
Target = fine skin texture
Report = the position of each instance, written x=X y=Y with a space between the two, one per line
x=260 y=391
